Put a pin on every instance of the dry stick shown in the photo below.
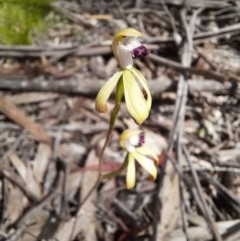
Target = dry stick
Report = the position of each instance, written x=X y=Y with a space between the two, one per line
x=106 y=50
x=187 y=60
x=206 y=211
x=235 y=203
x=179 y=113
x=183 y=69
x=176 y=36
x=178 y=118
x=9 y=109
x=232 y=233
x=179 y=171
x=219 y=32
x=90 y=87
x=85 y=51
x=200 y=37
x=181 y=104
x=12 y=148
x=198 y=4
x=81 y=85
x=22 y=222
x=138 y=5
x=21 y=187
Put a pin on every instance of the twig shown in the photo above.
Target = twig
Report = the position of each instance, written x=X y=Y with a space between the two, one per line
x=200 y=37
x=18 y=116
x=180 y=173
x=10 y=177
x=12 y=148
x=183 y=69
x=206 y=213
x=198 y=4
x=178 y=118
x=220 y=33
x=37 y=52
x=87 y=50
x=180 y=106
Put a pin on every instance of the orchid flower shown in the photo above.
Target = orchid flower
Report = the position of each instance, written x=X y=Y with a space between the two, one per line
x=132 y=140
x=128 y=81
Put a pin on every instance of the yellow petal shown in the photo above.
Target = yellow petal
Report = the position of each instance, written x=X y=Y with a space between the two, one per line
x=144 y=150
x=146 y=163
x=136 y=103
x=144 y=84
x=131 y=172
x=105 y=92
x=126 y=32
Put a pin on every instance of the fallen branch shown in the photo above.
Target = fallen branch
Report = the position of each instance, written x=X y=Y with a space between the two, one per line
x=87 y=87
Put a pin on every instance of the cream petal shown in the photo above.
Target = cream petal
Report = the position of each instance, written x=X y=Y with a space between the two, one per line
x=131 y=172
x=144 y=84
x=105 y=92
x=129 y=139
x=129 y=147
x=124 y=57
x=136 y=103
x=146 y=163
x=144 y=150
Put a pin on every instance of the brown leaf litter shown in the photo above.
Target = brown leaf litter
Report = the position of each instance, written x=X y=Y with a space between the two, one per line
x=51 y=135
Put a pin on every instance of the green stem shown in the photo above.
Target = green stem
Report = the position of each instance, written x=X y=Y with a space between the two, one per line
x=113 y=116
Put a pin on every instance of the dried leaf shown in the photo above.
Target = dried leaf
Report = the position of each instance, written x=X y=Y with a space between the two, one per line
x=27 y=174
x=41 y=161
x=19 y=117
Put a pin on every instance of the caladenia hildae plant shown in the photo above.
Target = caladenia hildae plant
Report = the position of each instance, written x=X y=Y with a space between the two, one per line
x=130 y=84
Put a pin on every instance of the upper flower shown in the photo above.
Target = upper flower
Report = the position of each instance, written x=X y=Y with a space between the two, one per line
x=129 y=81
x=127 y=44
x=132 y=140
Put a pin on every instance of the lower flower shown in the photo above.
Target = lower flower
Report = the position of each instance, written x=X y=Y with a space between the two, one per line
x=132 y=140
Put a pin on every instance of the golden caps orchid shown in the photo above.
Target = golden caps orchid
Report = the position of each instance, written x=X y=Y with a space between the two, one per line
x=128 y=81
x=132 y=140
x=127 y=44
